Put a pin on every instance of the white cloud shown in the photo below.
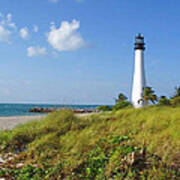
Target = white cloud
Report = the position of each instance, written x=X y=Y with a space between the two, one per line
x=6 y=21
x=35 y=28
x=4 y=34
x=24 y=33
x=36 y=51
x=66 y=37
x=12 y=25
x=6 y=27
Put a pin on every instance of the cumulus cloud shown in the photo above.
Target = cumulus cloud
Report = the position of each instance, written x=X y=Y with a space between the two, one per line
x=35 y=28
x=24 y=33
x=4 y=34
x=6 y=21
x=36 y=51
x=6 y=27
x=66 y=37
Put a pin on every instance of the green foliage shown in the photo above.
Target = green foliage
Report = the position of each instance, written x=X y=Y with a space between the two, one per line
x=104 y=108
x=126 y=144
x=121 y=102
x=163 y=101
x=96 y=163
x=121 y=98
x=28 y=172
x=148 y=95
x=177 y=93
x=57 y=122
x=118 y=139
x=121 y=105
x=98 y=159
x=31 y=172
x=175 y=101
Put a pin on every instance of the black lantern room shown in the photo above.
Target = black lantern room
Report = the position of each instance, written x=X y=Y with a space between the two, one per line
x=139 y=42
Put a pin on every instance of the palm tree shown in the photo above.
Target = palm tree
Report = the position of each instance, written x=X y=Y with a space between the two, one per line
x=121 y=98
x=148 y=95
x=177 y=91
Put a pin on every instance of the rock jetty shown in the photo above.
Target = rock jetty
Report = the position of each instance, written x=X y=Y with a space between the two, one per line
x=48 y=110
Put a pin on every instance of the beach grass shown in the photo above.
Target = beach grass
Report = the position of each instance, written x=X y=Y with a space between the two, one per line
x=129 y=143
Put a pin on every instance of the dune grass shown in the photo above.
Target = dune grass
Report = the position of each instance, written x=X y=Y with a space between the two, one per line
x=130 y=143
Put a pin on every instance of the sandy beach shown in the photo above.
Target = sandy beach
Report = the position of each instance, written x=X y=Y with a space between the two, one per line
x=7 y=123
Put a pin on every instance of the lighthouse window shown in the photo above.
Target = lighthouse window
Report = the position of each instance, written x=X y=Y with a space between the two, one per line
x=139 y=41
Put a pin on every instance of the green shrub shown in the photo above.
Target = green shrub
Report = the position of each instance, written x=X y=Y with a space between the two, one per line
x=121 y=98
x=104 y=108
x=121 y=105
x=175 y=101
x=31 y=172
x=163 y=101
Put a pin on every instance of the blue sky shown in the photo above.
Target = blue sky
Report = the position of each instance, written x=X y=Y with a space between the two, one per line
x=81 y=51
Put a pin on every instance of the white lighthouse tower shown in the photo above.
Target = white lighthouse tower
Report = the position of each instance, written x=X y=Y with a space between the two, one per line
x=139 y=73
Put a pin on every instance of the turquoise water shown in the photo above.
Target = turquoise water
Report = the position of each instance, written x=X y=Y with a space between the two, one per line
x=23 y=109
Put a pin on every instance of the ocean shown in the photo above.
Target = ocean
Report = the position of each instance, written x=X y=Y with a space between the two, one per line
x=23 y=109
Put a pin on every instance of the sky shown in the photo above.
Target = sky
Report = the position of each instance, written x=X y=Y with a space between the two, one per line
x=82 y=51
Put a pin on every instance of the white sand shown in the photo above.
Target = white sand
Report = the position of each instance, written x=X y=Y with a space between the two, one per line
x=7 y=123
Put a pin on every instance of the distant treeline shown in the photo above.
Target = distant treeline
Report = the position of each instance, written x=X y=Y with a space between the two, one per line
x=149 y=98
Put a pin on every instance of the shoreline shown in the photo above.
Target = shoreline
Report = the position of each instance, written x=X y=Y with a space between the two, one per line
x=9 y=122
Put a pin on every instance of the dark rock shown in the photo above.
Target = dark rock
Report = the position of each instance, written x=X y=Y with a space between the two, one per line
x=48 y=110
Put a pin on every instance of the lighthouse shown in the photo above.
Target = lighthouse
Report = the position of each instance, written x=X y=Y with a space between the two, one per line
x=139 y=82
